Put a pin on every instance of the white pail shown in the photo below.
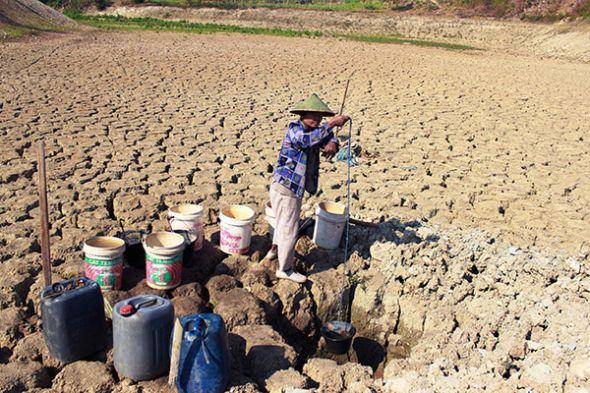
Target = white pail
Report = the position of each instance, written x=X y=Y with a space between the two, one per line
x=329 y=224
x=236 y=229
x=187 y=220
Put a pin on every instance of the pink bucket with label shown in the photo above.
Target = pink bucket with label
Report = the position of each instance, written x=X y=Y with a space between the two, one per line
x=103 y=261
x=236 y=229
x=163 y=259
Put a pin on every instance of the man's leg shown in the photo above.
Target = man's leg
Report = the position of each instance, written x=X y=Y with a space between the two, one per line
x=287 y=209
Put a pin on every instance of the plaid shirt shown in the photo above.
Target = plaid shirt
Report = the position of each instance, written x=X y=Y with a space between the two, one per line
x=290 y=170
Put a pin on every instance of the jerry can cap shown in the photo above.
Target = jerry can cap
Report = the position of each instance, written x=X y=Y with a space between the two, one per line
x=127 y=310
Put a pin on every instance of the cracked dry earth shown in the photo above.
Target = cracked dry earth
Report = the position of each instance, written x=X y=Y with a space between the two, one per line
x=476 y=165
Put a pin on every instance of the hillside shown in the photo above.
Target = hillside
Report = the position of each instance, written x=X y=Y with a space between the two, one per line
x=18 y=17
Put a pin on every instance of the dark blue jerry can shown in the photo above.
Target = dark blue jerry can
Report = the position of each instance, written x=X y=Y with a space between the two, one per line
x=72 y=312
x=204 y=361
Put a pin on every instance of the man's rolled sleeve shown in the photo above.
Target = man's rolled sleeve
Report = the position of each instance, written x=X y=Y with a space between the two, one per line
x=303 y=139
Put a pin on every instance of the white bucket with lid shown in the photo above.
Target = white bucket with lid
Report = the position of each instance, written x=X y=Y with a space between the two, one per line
x=270 y=218
x=163 y=259
x=187 y=220
x=236 y=229
x=329 y=224
x=103 y=260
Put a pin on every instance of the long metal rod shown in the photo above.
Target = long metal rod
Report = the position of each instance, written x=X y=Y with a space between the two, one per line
x=44 y=213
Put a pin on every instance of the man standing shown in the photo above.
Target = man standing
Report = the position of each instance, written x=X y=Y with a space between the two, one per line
x=297 y=171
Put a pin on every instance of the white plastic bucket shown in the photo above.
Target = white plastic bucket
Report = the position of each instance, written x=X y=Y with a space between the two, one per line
x=270 y=218
x=187 y=220
x=163 y=259
x=103 y=261
x=329 y=224
x=236 y=229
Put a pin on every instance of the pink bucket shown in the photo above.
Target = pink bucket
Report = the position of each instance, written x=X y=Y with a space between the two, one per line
x=103 y=261
x=236 y=229
x=163 y=259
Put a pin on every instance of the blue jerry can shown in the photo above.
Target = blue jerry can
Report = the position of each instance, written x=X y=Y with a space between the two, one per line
x=204 y=362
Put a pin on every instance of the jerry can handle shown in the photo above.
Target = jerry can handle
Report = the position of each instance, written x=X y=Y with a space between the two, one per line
x=147 y=303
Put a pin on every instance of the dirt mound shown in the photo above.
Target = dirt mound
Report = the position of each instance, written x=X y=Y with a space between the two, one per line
x=31 y=13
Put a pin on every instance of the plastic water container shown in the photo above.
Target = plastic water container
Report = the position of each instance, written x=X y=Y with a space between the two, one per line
x=187 y=220
x=204 y=361
x=72 y=312
x=163 y=259
x=329 y=224
x=270 y=218
x=141 y=336
x=103 y=261
x=236 y=229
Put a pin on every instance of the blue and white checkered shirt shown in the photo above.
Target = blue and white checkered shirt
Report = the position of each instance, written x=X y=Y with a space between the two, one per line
x=290 y=170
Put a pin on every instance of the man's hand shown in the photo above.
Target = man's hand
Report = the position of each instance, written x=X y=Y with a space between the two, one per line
x=338 y=120
x=330 y=149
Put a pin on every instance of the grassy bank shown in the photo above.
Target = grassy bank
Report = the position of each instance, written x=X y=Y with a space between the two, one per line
x=11 y=32
x=350 y=5
x=122 y=23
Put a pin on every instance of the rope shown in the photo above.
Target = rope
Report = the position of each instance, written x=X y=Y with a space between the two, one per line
x=348 y=165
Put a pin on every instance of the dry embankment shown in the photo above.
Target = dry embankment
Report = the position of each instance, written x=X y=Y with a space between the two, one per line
x=558 y=40
x=18 y=17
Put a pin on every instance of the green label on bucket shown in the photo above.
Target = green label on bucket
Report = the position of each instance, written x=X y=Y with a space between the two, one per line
x=152 y=259
x=103 y=262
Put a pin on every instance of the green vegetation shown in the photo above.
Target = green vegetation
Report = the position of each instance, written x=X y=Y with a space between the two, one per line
x=11 y=32
x=357 y=281
x=122 y=23
x=77 y=5
x=400 y=40
x=111 y=22
x=347 y=5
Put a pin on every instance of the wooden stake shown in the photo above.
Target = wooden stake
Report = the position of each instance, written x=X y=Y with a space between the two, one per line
x=175 y=355
x=44 y=214
x=344 y=98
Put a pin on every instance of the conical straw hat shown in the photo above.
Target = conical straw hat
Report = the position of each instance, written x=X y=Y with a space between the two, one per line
x=313 y=104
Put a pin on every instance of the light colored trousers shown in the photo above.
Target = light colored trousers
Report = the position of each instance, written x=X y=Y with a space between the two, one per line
x=286 y=208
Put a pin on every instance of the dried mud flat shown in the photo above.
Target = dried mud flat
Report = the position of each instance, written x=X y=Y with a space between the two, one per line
x=476 y=164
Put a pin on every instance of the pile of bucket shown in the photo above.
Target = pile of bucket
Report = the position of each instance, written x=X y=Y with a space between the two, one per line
x=73 y=315
x=162 y=252
x=74 y=327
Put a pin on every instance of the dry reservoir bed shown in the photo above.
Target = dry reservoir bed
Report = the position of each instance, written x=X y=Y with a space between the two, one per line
x=463 y=155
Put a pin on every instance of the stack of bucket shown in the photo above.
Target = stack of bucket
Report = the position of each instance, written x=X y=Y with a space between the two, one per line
x=73 y=310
